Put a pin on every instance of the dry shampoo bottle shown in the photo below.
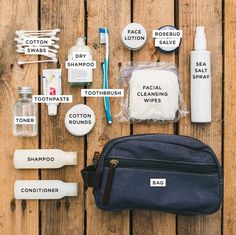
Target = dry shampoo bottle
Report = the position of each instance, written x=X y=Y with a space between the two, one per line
x=80 y=53
x=200 y=79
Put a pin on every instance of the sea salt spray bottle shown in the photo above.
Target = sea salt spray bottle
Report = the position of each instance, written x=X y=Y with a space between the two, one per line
x=200 y=79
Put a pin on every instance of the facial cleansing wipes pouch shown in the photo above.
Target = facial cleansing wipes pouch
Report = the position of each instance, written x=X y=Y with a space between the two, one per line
x=153 y=95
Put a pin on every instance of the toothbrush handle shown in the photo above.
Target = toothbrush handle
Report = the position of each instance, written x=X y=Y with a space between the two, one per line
x=105 y=74
x=106 y=98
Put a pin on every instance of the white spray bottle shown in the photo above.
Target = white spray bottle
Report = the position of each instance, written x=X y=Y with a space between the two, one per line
x=200 y=79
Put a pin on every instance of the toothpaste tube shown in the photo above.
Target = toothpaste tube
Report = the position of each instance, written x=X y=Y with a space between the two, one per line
x=52 y=86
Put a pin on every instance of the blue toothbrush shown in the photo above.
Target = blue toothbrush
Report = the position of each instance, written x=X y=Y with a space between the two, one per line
x=104 y=39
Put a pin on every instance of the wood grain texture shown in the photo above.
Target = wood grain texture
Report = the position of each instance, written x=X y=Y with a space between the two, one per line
x=114 y=15
x=79 y=215
x=229 y=118
x=208 y=14
x=16 y=216
x=152 y=15
x=64 y=216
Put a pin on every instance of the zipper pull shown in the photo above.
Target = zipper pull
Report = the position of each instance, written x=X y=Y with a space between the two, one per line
x=96 y=157
x=112 y=166
x=113 y=163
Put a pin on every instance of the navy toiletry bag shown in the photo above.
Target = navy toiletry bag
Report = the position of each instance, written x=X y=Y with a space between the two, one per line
x=171 y=173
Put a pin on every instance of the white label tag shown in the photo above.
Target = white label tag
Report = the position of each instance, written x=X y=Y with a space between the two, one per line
x=161 y=34
x=102 y=92
x=33 y=41
x=169 y=39
x=52 y=99
x=167 y=43
x=157 y=182
x=36 y=50
x=201 y=69
x=77 y=64
x=25 y=120
x=81 y=56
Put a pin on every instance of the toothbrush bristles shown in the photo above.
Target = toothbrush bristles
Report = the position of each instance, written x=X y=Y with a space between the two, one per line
x=102 y=32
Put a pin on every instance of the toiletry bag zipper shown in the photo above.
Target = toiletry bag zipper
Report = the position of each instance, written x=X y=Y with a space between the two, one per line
x=110 y=144
x=99 y=155
x=165 y=166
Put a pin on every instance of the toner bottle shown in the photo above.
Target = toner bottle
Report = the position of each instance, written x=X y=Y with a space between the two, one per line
x=200 y=79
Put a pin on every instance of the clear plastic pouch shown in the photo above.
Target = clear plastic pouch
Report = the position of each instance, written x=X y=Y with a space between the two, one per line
x=152 y=92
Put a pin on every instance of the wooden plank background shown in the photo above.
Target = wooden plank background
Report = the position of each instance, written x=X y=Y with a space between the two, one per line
x=79 y=216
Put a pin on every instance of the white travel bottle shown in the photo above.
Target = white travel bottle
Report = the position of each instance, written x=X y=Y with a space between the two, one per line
x=200 y=79
x=80 y=52
x=43 y=158
x=44 y=189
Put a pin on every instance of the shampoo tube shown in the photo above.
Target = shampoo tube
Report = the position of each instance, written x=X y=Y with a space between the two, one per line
x=44 y=189
x=43 y=158
x=52 y=86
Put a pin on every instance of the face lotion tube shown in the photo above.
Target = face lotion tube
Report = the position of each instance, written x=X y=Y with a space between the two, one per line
x=44 y=189
x=200 y=79
x=52 y=86
x=43 y=158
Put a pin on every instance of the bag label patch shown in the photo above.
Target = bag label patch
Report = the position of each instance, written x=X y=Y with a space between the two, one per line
x=157 y=182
